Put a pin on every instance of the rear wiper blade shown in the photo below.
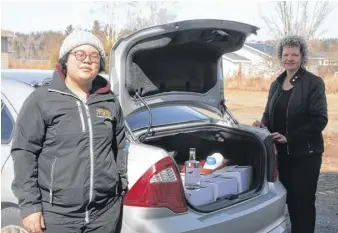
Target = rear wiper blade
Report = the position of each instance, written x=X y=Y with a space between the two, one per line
x=150 y=117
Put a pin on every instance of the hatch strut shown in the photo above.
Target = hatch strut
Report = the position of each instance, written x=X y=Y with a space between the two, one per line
x=150 y=117
x=226 y=109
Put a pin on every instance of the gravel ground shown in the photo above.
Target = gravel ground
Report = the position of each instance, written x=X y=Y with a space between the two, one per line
x=326 y=203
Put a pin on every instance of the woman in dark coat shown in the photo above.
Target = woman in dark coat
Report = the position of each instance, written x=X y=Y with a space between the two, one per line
x=296 y=115
x=70 y=165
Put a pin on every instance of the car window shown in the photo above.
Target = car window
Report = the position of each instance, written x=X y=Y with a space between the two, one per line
x=164 y=115
x=7 y=124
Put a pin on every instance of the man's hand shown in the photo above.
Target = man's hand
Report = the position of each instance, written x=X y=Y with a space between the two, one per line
x=34 y=223
x=279 y=137
x=258 y=124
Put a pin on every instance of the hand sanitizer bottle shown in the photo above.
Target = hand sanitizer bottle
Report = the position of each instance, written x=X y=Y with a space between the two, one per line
x=192 y=170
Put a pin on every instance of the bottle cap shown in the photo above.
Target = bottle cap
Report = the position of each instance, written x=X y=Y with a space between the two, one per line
x=211 y=160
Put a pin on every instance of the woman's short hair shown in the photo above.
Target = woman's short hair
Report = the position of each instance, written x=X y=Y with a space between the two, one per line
x=292 y=42
x=63 y=62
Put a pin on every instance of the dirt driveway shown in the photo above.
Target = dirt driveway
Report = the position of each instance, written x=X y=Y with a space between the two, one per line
x=248 y=106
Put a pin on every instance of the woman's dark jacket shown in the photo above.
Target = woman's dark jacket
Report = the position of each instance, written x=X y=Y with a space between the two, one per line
x=69 y=157
x=306 y=115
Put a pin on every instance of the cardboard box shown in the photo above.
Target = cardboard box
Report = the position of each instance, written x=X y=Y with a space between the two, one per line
x=221 y=186
x=243 y=174
x=201 y=196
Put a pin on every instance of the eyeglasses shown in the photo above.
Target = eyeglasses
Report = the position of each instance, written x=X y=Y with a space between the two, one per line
x=81 y=55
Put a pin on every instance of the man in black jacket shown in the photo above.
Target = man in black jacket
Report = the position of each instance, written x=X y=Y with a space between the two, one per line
x=296 y=115
x=69 y=160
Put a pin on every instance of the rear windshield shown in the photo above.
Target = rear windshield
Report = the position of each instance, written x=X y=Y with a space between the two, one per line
x=165 y=115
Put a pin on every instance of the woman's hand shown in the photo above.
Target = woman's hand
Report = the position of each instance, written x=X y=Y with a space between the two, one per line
x=279 y=137
x=34 y=223
x=258 y=124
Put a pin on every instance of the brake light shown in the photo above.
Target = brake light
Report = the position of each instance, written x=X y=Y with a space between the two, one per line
x=275 y=169
x=160 y=186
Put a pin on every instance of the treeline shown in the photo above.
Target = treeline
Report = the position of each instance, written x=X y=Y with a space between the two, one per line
x=42 y=45
x=45 y=45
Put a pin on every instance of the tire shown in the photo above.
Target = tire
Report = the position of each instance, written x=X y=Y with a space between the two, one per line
x=11 y=221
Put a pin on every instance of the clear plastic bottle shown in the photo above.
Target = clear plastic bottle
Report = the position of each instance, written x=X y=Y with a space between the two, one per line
x=192 y=170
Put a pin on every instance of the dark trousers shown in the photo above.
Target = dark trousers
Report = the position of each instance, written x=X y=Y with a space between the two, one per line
x=300 y=177
x=108 y=222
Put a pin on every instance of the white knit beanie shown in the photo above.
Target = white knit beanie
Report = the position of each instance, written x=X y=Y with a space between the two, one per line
x=77 y=38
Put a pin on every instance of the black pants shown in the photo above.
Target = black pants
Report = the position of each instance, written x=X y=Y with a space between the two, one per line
x=300 y=177
x=109 y=222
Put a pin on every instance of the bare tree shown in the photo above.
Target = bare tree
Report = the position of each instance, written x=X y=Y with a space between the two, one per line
x=128 y=16
x=297 y=18
x=152 y=13
x=120 y=18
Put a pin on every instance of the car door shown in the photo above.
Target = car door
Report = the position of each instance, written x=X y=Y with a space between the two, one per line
x=8 y=116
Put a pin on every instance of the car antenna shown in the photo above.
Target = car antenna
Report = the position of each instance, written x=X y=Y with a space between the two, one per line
x=150 y=117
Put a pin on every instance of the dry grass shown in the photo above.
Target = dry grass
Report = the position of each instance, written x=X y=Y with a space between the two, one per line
x=248 y=106
x=331 y=84
x=330 y=157
x=19 y=64
x=263 y=84
x=247 y=83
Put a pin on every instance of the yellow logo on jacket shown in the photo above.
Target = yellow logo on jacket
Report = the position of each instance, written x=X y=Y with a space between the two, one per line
x=104 y=113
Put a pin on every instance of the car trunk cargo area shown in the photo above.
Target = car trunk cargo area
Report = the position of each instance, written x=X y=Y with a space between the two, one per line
x=242 y=152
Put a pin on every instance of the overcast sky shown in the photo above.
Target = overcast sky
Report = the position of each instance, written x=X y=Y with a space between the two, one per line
x=30 y=16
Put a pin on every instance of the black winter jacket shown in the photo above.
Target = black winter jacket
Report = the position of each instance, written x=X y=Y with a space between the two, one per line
x=69 y=157
x=306 y=113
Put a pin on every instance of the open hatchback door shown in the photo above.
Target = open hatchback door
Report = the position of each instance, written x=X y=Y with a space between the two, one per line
x=177 y=63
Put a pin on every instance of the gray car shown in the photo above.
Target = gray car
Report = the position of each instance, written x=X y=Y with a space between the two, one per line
x=13 y=94
x=169 y=81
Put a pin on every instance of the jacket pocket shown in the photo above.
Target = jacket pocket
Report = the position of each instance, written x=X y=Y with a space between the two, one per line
x=109 y=174
x=52 y=176
x=71 y=120
x=66 y=182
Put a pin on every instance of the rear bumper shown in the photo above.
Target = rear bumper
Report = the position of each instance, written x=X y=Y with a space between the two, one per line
x=280 y=229
x=262 y=214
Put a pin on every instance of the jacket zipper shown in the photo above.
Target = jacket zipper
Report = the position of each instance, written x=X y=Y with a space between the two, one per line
x=52 y=181
x=287 y=121
x=81 y=116
x=64 y=93
x=309 y=145
x=287 y=117
x=91 y=151
x=274 y=106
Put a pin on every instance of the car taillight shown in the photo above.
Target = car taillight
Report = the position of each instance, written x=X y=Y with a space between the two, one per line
x=159 y=186
x=275 y=169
